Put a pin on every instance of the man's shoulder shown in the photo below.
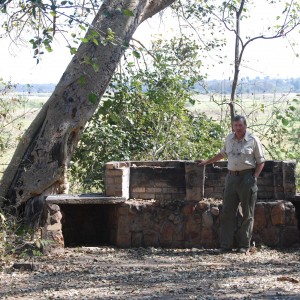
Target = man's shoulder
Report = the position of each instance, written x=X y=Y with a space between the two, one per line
x=230 y=136
x=251 y=136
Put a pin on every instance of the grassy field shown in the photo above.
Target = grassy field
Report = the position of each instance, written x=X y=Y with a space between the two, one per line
x=253 y=106
x=258 y=108
x=24 y=108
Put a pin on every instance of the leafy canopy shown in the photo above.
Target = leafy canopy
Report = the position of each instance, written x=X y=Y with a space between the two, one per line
x=144 y=115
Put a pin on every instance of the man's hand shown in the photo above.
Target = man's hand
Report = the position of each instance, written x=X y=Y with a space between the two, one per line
x=201 y=162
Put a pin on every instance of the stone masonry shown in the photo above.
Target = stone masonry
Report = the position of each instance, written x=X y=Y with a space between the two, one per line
x=173 y=204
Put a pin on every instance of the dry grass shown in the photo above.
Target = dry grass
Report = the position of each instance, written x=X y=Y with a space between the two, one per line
x=24 y=113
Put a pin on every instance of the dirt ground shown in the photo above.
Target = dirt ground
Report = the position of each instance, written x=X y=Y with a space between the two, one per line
x=112 y=273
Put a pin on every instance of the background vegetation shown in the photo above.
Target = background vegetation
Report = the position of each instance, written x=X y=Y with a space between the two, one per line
x=154 y=107
x=157 y=114
x=126 y=126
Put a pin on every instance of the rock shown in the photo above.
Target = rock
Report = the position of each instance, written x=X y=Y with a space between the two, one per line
x=207 y=219
x=215 y=210
x=26 y=266
x=259 y=218
x=278 y=214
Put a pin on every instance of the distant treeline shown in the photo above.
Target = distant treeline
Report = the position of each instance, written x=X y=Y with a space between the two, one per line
x=35 y=88
x=246 y=85
x=254 y=86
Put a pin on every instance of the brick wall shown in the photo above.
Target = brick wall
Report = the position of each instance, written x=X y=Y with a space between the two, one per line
x=161 y=180
x=276 y=182
x=185 y=181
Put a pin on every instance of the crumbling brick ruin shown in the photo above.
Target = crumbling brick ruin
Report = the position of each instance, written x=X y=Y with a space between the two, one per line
x=175 y=204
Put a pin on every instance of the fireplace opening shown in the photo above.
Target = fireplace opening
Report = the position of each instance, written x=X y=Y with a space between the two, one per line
x=88 y=225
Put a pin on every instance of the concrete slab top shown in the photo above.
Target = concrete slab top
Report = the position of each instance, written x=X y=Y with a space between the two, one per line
x=83 y=199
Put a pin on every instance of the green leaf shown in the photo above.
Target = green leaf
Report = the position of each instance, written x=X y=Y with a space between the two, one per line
x=94 y=33
x=125 y=45
x=49 y=49
x=87 y=60
x=136 y=54
x=95 y=67
x=128 y=13
x=284 y=121
x=33 y=12
x=93 y=98
x=110 y=35
x=82 y=80
x=73 y=50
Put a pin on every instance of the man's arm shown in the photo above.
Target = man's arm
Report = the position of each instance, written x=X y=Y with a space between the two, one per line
x=202 y=162
x=258 y=169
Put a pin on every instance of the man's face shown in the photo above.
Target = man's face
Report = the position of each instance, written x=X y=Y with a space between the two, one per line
x=239 y=127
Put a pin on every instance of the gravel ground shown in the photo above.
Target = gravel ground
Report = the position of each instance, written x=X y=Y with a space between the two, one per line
x=112 y=273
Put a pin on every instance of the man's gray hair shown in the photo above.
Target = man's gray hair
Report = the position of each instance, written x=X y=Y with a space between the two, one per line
x=240 y=118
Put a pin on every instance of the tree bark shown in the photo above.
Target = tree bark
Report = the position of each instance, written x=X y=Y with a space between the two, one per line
x=39 y=164
x=237 y=59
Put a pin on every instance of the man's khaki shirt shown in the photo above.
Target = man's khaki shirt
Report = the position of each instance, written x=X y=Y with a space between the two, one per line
x=243 y=154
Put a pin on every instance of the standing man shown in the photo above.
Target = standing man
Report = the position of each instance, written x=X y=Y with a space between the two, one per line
x=245 y=162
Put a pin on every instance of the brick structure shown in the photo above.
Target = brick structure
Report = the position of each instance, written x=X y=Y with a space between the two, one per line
x=163 y=180
x=184 y=180
x=172 y=204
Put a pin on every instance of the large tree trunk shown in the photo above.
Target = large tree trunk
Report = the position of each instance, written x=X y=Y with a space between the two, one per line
x=42 y=156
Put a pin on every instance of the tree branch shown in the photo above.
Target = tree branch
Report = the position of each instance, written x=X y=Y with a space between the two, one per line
x=152 y=7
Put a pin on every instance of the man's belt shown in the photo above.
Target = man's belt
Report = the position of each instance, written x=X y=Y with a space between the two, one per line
x=239 y=173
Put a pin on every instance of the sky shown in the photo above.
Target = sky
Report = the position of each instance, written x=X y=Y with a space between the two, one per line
x=273 y=58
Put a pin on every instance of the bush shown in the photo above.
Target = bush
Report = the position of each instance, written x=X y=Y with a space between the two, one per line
x=144 y=117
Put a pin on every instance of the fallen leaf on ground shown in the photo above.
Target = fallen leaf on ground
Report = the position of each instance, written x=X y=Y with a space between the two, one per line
x=289 y=279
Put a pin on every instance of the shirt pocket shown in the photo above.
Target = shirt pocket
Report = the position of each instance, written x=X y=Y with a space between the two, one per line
x=247 y=153
x=247 y=150
x=229 y=149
